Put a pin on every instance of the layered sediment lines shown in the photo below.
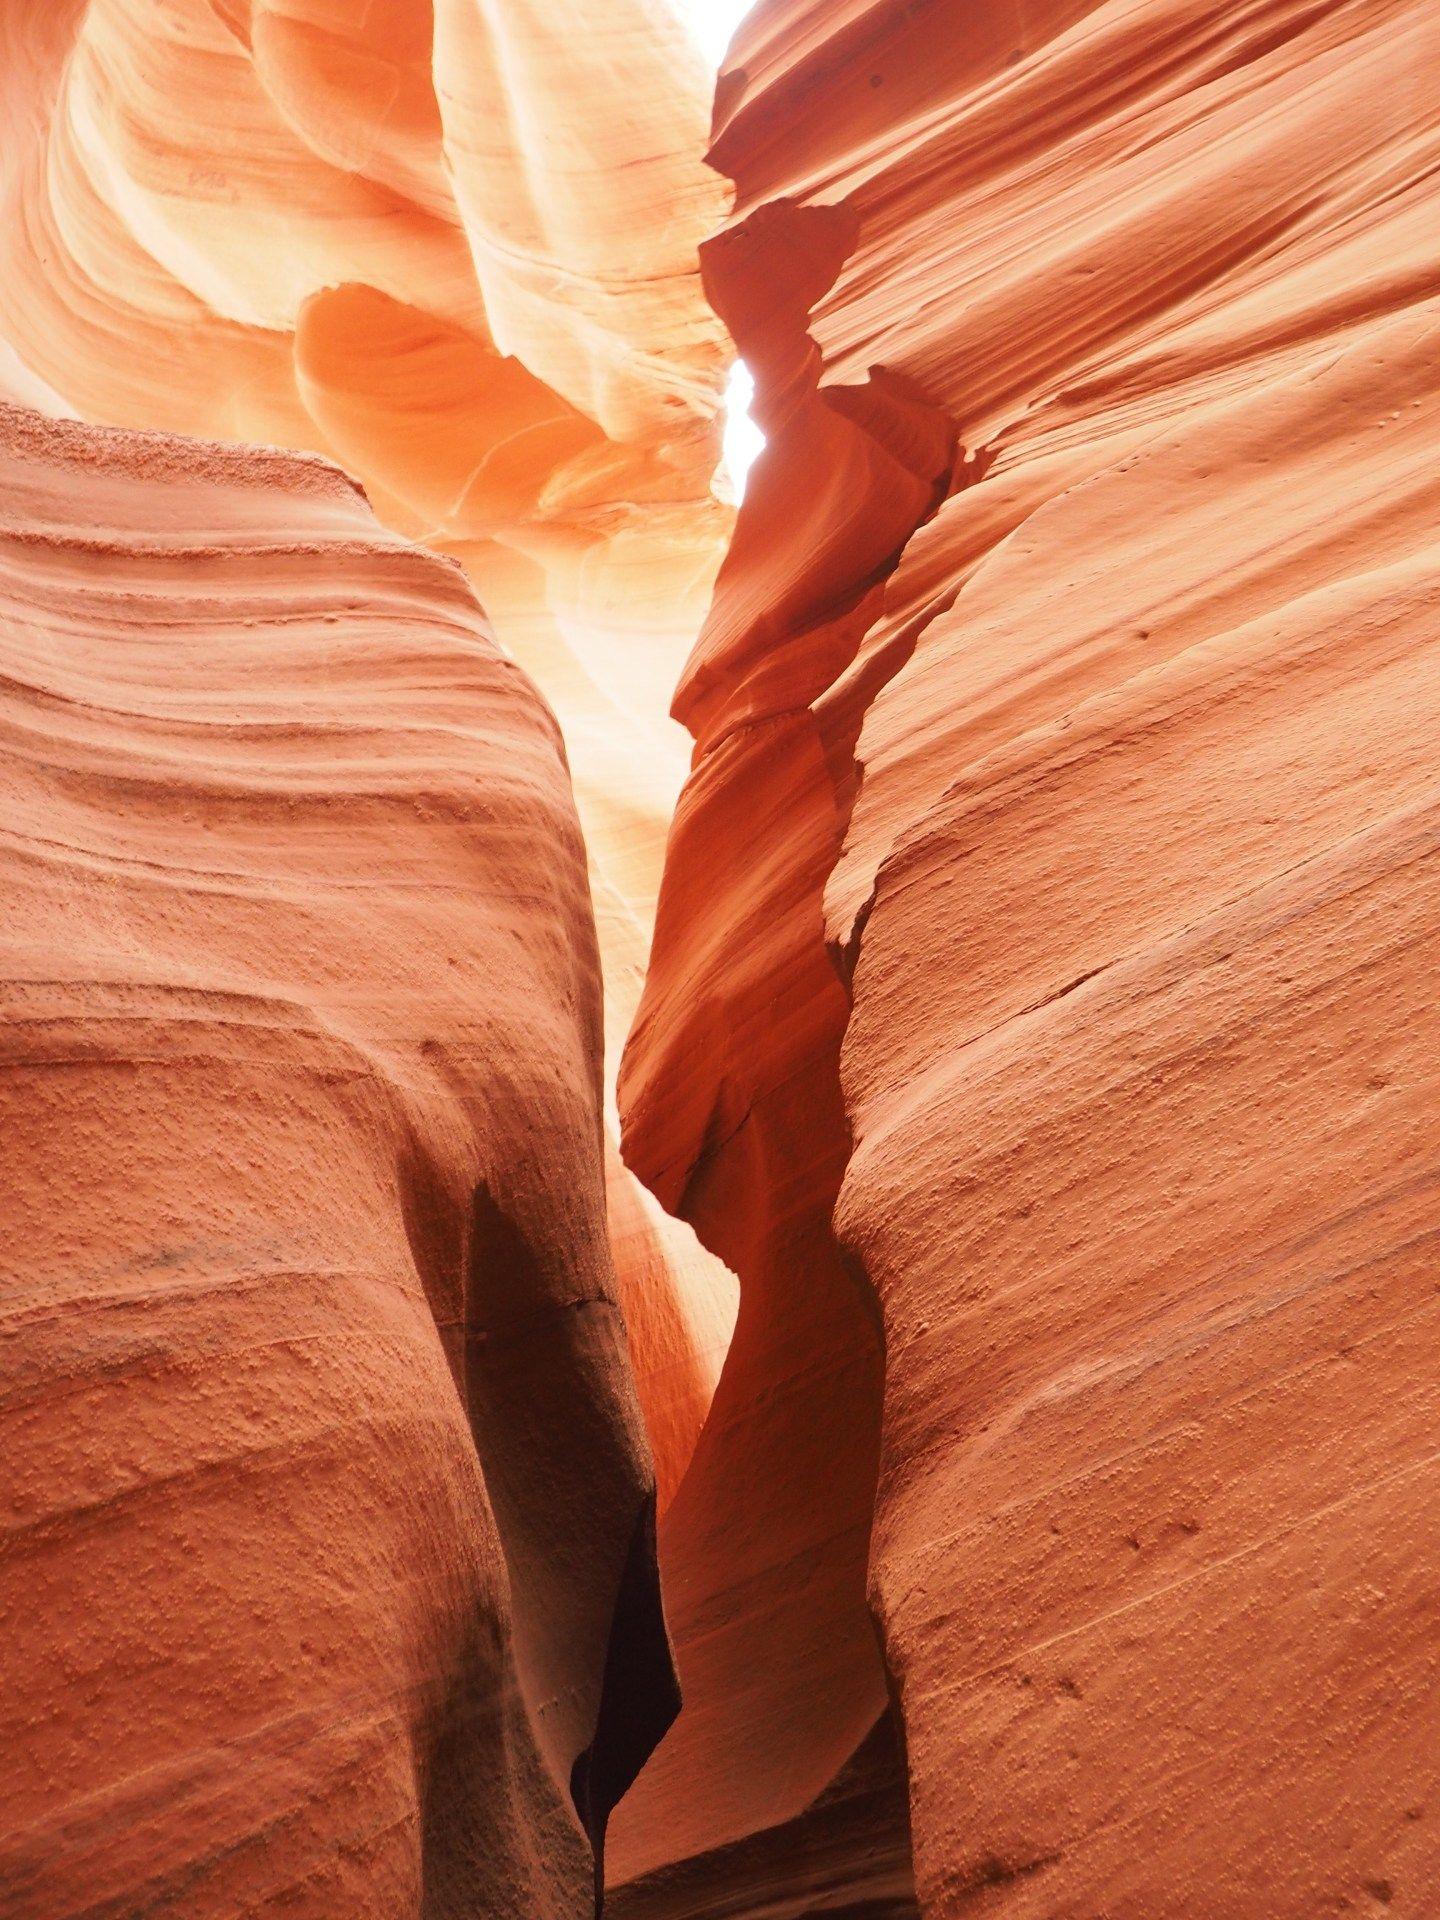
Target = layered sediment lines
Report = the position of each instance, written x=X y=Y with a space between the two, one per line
x=328 y=1523
x=1040 y=1019
x=452 y=247
x=1041 y=1015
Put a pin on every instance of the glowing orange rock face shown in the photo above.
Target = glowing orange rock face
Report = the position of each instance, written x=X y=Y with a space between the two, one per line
x=1041 y=1017
x=328 y=1503
x=1070 y=688
x=451 y=246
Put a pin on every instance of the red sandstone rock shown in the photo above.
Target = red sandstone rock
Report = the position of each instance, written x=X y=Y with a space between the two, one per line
x=328 y=1572
x=1041 y=1011
x=450 y=244
x=1135 y=909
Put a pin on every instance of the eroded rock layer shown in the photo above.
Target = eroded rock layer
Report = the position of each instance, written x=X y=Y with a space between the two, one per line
x=450 y=245
x=328 y=1520
x=1070 y=689
x=1040 y=1019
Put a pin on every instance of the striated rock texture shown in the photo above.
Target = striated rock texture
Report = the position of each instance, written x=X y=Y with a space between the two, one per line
x=1042 y=1014
x=451 y=246
x=1040 y=1021
x=328 y=1578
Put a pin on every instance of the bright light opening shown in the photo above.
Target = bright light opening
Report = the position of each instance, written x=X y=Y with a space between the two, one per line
x=743 y=439
x=713 y=22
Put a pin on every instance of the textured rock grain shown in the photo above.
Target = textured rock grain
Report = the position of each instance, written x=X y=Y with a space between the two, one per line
x=1041 y=1014
x=326 y=1493
x=1090 y=753
x=449 y=244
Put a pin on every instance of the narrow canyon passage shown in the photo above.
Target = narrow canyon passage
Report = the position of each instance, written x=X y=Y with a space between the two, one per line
x=859 y=1067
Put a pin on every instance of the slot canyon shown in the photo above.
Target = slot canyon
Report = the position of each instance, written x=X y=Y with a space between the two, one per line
x=721 y=1190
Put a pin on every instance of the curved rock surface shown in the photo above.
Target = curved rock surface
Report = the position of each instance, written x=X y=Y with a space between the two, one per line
x=452 y=247
x=1040 y=1018
x=1069 y=688
x=328 y=1516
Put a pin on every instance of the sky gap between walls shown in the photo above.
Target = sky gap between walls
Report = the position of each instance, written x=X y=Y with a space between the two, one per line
x=713 y=23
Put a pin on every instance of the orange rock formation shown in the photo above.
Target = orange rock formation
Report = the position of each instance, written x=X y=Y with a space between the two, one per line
x=328 y=1508
x=1068 y=685
x=453 y=248
x=1040 y=1017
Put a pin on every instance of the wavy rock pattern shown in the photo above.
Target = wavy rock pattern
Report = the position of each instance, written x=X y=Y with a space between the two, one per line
x=1040 y=1018
x=1069 y=686
x=452 y=247
x=328 y=1506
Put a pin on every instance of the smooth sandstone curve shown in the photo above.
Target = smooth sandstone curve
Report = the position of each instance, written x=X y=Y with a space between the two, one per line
x=329 y=1514
x=1116 y=719
x=451 y=246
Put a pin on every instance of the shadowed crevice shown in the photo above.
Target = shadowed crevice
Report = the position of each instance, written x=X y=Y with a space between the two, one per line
x=639 y=1695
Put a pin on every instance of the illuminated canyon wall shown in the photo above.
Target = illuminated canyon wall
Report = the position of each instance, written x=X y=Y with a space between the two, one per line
x=329 y=1507
x=1053 y=906
x=452 y=248
x=1040 y=1020
x=330 y=1581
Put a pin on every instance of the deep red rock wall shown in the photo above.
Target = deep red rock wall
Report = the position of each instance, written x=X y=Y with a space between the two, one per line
x=1040 y=1019
x=1057 y=882
x=327 y=1502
